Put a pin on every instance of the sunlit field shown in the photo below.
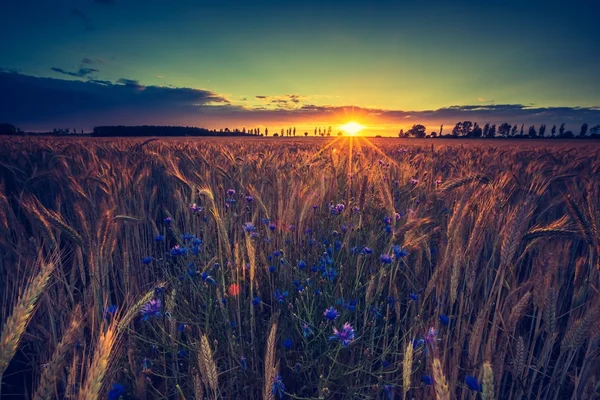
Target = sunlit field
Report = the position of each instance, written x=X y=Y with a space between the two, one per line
x=346 y=268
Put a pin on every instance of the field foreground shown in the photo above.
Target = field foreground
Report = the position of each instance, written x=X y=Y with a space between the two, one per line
x=301 y=269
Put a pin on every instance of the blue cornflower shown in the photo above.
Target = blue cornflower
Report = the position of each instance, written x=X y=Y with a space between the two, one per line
x=151 y=309
x=159 y=238
x=391 y=301
x=345 y=336
x=210 y=280
x=204 y=275
x=116 y=392
x=287 y=343
x=350 y=305
x=473 y=383
x=368 y=250
x=256 y=301
x=399 y=252
x=276 y=253
x=272 y=227
x=186 y=236
x=278 y=388
x=414 y=296
x=386 y=259
x=168 y=221
x=330 y=314
x=427 y=379
x=280 y=296
x=272 y=268
x=243 y=363
x=306 y=331
x=301 y=264
x=146 y=260
x=387 y=220
x=249 y=227
x=196 y=242
x=330 y=273
x=389 y=391
x=110 y=312
x=388 y=229
x=444 y=319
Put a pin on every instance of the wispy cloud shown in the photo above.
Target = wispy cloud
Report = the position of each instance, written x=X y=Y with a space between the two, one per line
x=82 y=72
x=83 y=17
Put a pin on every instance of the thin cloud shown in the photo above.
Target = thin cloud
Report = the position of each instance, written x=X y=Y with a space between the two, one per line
x=82 y=72
x=83 y=17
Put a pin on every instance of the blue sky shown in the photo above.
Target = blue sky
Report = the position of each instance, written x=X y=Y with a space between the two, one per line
x=278 y=62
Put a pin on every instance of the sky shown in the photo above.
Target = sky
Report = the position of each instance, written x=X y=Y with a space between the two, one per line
x=267 y=63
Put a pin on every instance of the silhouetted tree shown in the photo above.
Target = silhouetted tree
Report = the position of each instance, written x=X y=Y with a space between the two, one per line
x=477 y=131
x=417 y=131
x=584 y=129
x=542 y=130
x=276 y=134
x=504 y=129
x=561 y=130
x=492 y=131
x=522 y=126
x=441 y=129
x=567 y=134
x=595 y=130
x=532 y=132
x=7 y=129
x=434 y=134
x=329 y=130
x=553 y=131
x=294 y=131
x=486 y=130
x=467 y=127
x=266 y=131
x=401 y=133
x=457 y=130
x=305 y=134
x=513 y=132
x=340 y=134
x=282 y=131
x=315 y=131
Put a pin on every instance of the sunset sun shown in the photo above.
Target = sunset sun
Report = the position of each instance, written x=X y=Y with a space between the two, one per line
x=352 y=128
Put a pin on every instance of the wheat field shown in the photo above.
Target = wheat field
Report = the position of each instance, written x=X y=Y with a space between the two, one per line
x=300 y=269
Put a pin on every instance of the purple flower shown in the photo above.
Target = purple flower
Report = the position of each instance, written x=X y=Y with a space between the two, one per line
x=431 y=336
x=473 y=383
x=168 y=221
x=151 y=309
x=272 y=227
x=278 y=388
x=345 y=336
x=249 y=199
x=414 y=181
x=368 y=250
x=230 y=192
x=330 y=314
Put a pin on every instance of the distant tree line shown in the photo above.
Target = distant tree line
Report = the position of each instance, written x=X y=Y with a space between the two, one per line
x=469 y=129
x=150 y=130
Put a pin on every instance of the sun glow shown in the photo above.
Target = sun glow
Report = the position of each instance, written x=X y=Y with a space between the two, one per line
x=352 y=128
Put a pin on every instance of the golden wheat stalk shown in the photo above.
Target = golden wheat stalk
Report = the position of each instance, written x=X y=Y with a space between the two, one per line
x=52 y=370
x=407 y=368
x=440 y=383
x=207 y=364
x=488 y=382
x=270 y=364
x=103 y=355
x=15 y=325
